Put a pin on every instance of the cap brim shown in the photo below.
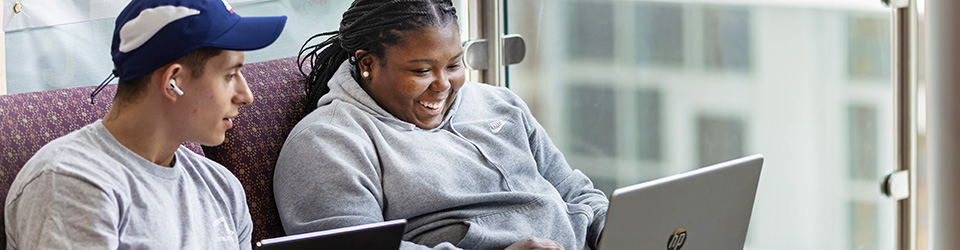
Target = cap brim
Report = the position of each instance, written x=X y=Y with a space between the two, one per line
x=251 y=33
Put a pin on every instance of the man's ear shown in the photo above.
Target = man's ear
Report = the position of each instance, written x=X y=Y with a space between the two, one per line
x=175 y=72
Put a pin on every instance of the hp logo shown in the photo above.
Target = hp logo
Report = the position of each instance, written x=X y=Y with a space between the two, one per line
x=677 y=238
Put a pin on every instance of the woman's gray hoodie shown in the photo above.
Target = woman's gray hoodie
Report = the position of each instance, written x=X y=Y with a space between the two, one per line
x=487 y=177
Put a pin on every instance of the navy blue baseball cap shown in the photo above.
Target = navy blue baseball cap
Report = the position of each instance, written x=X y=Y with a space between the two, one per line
x=153 y=33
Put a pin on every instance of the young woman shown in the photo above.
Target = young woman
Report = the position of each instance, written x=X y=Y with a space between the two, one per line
x=396 y=132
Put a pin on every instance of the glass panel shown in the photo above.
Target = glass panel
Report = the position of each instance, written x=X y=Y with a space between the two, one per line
x=636 y=90
x=50 y=48
x=589 y=38
x=648 y=127
x=863 y=214
x=719 y=139
x=867 y=33
x=862 y=141
x=665 y=21
x=590 y=102
x=726 y=37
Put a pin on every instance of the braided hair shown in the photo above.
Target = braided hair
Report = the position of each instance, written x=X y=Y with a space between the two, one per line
x=369 y=25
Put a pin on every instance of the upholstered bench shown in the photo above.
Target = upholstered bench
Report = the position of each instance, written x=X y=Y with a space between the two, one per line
x=30 y=120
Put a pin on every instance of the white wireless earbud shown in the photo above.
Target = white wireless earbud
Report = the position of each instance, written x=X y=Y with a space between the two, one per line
x=173 y=86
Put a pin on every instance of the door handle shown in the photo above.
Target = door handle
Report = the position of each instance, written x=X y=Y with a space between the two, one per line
x=476 y=54
x=896 y=185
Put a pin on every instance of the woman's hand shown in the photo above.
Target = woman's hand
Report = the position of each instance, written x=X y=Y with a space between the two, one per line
x=535 y=243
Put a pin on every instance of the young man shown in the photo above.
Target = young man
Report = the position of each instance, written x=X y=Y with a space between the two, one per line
x=124 y=182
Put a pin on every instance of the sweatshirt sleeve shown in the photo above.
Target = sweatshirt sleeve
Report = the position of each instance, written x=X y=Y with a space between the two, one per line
x=328 y=177
x=573 y=185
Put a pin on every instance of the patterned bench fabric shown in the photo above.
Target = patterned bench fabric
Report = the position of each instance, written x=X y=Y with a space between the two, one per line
x=253 y=145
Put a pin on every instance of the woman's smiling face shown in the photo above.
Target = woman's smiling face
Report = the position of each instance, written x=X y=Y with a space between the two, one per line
x=417 y=80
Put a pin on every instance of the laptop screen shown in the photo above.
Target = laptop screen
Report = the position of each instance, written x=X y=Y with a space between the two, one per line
x=705 y=208
x=374 y=236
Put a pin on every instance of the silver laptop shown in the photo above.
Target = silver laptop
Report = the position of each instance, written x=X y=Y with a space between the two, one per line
x=374 y=236
x=705 y=208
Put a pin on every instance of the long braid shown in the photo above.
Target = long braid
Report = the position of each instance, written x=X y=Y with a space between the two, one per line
x=323 y=66
x=367 y=25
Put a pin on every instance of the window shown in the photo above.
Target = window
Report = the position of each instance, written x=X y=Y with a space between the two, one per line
x=648 y=125
x=868 y=34
x=637 y=90
x=720 y=139
x=659 y=34
x=864 y=171
x=588 y=103
x=727 y=43
x=862 y=142
x=589 y=36
x=864 y=216
x=63 y=44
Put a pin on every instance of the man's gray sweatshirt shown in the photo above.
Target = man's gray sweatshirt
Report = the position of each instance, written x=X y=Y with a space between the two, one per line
x=487 y=177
